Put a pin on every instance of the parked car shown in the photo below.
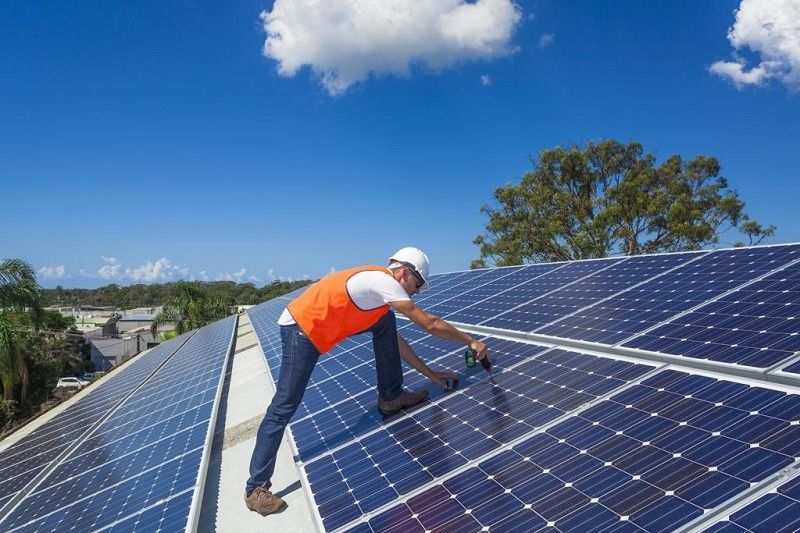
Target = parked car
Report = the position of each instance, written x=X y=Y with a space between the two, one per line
x=71 y=383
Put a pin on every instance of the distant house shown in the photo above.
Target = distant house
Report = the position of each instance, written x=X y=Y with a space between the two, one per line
x=83 y=310
x=106 y=324
x=89 y=331
x=130 y=322
x=106 y=353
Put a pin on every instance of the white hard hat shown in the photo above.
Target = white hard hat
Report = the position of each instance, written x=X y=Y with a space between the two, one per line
x=416 y=258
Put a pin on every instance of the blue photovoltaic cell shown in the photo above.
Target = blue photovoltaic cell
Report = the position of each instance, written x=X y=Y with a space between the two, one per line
x=548 y=315
x=655 y=301
x=776 y=512
x=146 y=453
x=479 y=288
x=122 y=500
x=652 y=458
x=169 y=516
x=441 y=290
x=593 y=288
x=439 y=283
x=480 y=301
x=22 y=461
x=507 y=310
x=376 y=469
x=758 y=325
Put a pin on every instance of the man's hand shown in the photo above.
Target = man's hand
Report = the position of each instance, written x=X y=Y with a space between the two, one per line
x=480 y=349
x=441 y=378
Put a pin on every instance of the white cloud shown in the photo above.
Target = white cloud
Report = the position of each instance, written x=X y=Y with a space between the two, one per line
x=486 y=80
x=232 y=276
x=53 y=272
x=111 y=269
x=151 y=271
x=344 y=41
x=546 y=40
x=770 y=29
x=203 y=275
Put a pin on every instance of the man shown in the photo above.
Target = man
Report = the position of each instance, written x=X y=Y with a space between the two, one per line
x=339 y=305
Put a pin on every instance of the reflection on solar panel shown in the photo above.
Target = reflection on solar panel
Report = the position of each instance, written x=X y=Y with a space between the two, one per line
x=31 y=455
x=144 y=462
x=655 y=455
x=615 y=403
x=376 y=469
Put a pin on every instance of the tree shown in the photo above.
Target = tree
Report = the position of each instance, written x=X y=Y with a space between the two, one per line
x=611 y=198
x=189 y=309
x=19 y=292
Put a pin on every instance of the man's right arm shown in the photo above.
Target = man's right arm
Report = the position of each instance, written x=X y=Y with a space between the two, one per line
x=438 y=327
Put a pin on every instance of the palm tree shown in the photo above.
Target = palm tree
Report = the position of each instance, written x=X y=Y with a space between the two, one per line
x=18 y=292
x=190 y=308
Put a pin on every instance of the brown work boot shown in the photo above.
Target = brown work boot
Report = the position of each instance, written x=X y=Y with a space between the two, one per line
x=403 y=400
x=263 y=501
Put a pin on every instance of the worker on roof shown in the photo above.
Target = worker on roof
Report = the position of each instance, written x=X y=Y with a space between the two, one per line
x=339 y=305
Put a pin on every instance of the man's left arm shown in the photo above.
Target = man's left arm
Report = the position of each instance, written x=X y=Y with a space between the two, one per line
x=409 y=356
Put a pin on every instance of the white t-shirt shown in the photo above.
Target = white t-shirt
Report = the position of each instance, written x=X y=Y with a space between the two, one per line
x=369 y=290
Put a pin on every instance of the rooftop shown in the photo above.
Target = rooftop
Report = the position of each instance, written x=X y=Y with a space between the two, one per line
x=662 y=391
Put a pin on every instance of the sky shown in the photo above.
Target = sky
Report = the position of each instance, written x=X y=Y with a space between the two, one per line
x=256 y=141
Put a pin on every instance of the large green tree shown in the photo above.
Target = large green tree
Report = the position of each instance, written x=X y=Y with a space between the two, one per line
x=19 y=292
x=610 y=198
x=190 y=308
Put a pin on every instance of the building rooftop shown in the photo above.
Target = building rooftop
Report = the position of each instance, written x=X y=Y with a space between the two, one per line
x=661 y=392
x=137 y=318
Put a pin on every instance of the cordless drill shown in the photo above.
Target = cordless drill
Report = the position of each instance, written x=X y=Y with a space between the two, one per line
x=469 y=358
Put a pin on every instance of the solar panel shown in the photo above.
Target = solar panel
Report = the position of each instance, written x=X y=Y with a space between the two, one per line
x=779 y=510
x=756 y=325
x=569 y=438
x=149 y=451
x=31 y=455
x=563 y=313
x=395 y=460
x=645 y=306
x=354 y=416
x=506 y=310
x=465 y=284
x=503 y=280
x=653 y=457
x=442 y=283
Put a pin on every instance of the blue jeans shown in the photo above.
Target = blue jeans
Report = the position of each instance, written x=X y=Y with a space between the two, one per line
x=299 y=358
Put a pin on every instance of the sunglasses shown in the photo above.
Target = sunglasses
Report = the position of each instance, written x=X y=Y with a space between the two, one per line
x=420 y=281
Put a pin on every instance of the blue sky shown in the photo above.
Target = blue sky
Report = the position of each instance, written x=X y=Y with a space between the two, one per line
x=149 y=141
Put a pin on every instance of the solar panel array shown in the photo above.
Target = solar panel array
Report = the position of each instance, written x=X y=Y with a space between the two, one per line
x=137 y=457
x=25 y=459
x=644 y=393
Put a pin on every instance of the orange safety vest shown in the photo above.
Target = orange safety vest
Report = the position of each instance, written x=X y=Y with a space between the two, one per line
x=327 y=314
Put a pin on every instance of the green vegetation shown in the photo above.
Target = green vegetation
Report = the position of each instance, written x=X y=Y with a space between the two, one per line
x=190 y=308
x=36 y=346
x=19 y=294
x=141 y=295
x=611 y=198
